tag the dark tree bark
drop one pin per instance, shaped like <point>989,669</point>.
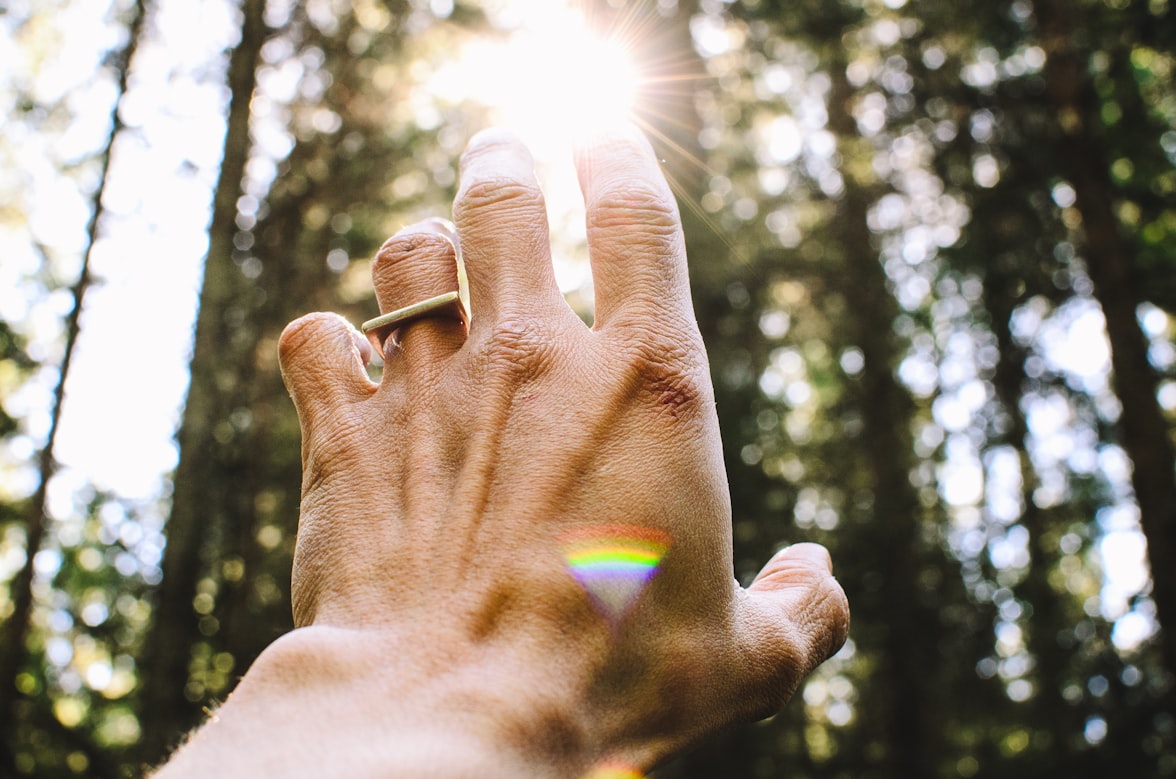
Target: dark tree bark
<point>908,640</point>
<point>1054,666</point>
<point>1145,434</point>
<point>198,500</point>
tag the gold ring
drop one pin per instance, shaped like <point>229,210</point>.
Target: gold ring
<point>378,329</point>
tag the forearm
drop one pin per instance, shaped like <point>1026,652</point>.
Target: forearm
<point>334,703</point>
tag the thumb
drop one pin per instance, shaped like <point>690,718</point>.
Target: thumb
<point>798,617</point>
<point>322,359</point>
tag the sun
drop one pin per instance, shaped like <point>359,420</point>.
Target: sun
<point>552,78</point>
<point>578,80</point>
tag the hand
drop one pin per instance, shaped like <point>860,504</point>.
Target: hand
<point>451,513</point>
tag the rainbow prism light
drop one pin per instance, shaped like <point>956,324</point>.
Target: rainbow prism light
<point>614,771</point>
<point>614,563</point>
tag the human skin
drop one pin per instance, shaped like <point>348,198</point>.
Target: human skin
<point>440,631</point>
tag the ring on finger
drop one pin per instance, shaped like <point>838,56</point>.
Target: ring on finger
<point>449,304</point>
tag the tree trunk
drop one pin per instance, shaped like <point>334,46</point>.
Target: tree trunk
<point>910,634</point>
<point>1144,430</point>
<point>1054,667</point>
<point>197,504</point>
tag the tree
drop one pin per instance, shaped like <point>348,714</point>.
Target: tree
<point>1144,430</point>
<point>18,671</point>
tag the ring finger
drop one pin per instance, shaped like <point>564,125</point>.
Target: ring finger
<point>416,283</point>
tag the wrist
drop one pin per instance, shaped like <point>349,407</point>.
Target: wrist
<point>336,702</point>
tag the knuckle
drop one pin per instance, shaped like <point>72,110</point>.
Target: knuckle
<point>519,346</point>
<point>500,195</point>
<point>666,373</point>
<point>407,248</point>
<point>637,206</point>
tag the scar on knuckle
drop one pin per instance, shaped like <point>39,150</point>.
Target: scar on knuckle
<point>667,374</point>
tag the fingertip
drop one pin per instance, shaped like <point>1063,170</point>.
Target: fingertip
<point>806,552</point>
<point>599,144</point>
<point>433,225</point>
<point>438,225</point>
<point>322,352</point>
<point>490,135</point>
<point>799,584</point>
<point>492,139</point>
<point>298,334</point>
<point>795,567</point>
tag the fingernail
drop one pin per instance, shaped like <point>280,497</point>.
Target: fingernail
<point>809,551</point>
<point>497,152</point>
<point>597,144</point>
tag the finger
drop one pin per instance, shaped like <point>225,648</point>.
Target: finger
<point>798,616</point>
<point>502,220</point>
<point>322,358</point>
<point>635,237</point>
<point>418,264</point>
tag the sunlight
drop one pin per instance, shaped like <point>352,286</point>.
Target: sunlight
<point>549,81</point>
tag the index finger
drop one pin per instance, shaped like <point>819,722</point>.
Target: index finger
<point>635,239</point>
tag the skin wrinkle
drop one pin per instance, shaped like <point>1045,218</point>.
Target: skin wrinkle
<point>521,200</point>
<point>404,249</point>
<point>769,675</point>
<point>507,197</point>
<point>644,218</point>
<point>476,473</point>
<point>659,246</point>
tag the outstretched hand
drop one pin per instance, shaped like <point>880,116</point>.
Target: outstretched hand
<point>514,550</point>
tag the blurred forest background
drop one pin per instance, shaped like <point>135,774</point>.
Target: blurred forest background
<point>933,247</point>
